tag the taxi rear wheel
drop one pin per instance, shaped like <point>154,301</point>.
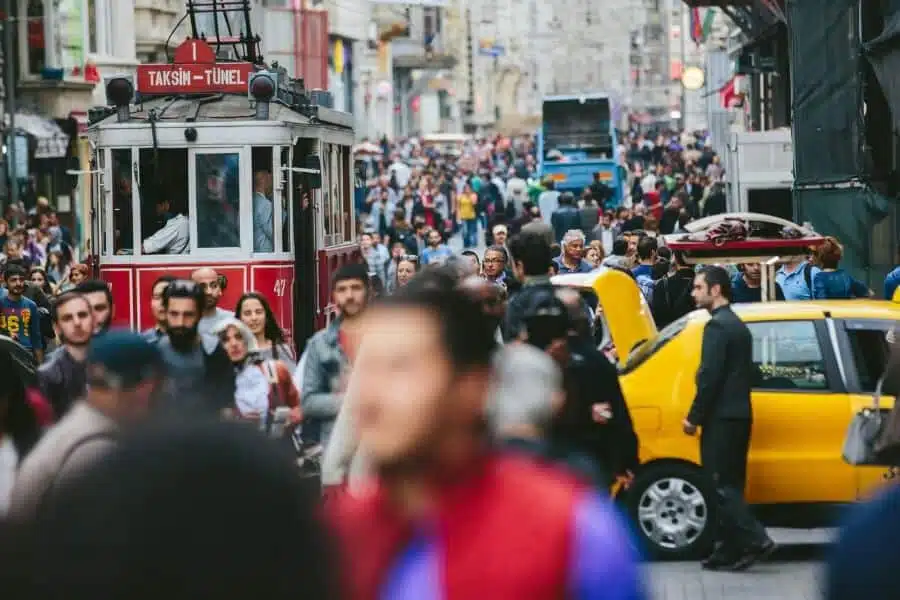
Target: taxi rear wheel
<point>673,508</point>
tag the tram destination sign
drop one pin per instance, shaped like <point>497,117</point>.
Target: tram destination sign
<point>224,78</point>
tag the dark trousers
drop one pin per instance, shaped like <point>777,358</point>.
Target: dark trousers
<point>723,452</point>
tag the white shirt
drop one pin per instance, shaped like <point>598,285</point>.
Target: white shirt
<point>207,325</point>
<point>648,182</point>
<point>173,238</point>
<point>401,172</point>
<point>8,464</point>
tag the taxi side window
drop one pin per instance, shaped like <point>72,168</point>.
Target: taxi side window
<point>788,356</point>
<point>870,353</point>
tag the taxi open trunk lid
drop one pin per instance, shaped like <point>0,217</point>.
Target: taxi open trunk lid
<point>624,307</point>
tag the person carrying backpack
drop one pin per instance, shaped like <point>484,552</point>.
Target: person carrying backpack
<point>671,297</point>
<point>796,279</point>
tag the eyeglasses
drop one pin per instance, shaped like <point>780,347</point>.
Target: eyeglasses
<point>410,258</point>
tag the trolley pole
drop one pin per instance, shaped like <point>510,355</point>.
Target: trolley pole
<point>9,84</point>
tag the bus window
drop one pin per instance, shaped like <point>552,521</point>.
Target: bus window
<point>122,180</point>
<point>218,197</point>
<point>263,205</point>
<point>163,188</point>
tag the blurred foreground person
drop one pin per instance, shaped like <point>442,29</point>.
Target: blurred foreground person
<point>449,518</point>
<point>527,395</point>
<point>124,372</point>
<point>864,561</point>
<point>20,425</point>
<point>196,510</point>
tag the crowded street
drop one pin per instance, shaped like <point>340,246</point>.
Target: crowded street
<point>352,325</point>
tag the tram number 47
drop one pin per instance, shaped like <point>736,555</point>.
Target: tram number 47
<point>280,287</point>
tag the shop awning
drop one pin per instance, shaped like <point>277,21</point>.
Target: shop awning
<point>52,141</point>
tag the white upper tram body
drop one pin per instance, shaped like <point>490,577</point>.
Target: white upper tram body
<point>253,171</point>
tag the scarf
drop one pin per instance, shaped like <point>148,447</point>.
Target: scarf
<point>252,390</point>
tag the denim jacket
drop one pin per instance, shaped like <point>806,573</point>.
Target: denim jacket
<point>838,285</point>
<point>320,398</point>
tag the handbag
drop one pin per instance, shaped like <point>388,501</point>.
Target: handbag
<point>864,433</point>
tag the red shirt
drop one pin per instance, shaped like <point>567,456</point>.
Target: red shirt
<point>507,506</point>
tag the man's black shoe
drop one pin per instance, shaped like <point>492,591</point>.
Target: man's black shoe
<point>753,555</point>
<point>719,561</point>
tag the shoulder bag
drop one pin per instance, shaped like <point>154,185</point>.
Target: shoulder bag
<point>864,433</point>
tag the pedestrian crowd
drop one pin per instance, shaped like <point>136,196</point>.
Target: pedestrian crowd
<point>462,428</point>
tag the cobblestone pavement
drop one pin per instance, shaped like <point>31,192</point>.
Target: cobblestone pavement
<point>793,573</point>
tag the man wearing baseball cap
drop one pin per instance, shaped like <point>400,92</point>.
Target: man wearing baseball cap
<point>124,374</point>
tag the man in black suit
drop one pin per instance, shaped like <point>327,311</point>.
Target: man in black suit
<point>722,408</point>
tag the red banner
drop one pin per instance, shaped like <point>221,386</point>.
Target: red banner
<point>313,47</point>
<point>195,72</point>
<point>224,78</point>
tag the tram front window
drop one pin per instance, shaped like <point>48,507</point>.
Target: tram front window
<point>165,228</point>
<point>218,200</point>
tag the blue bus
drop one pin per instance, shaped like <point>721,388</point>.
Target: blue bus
<point>578,139</point>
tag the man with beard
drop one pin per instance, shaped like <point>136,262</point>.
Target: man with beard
<point>124,374</point>
<point>99,296</point>
<point>447,512</point>
<point>212,315</point>
<point>200,381</point>
<point>722,407</point>
<point>330,352</point>
<point>63,377</point>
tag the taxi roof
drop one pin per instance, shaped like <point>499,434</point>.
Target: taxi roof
<point>762,311</point>
<point>838,309</point>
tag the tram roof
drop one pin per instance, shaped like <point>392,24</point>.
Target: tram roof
<point>226,107</point>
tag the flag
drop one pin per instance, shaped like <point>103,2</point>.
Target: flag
<point>708,18</point>
<point>696,26</point>
<point>728,95</point>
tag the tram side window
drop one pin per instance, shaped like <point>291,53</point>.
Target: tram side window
<point>263,200</point>
<point>218,200</point>
<point>334,192</point>
<point>346,167</point>
<point>327,212</point>
<point>123,242</point>
<point>164,226</point>
<point>286,204</point>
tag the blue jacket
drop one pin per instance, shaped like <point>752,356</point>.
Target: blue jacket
<point>320,397</point>
<point>891,282</point>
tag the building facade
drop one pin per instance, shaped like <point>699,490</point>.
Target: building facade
<point>63,51</point>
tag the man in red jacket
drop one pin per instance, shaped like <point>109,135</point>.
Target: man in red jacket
<point>448,517</point>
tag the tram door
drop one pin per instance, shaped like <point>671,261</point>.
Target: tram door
<point>304,238</point>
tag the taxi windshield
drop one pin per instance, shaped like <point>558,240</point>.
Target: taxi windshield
<point>648,348</point>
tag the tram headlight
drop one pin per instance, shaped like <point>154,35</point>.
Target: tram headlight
<point>119,91</point>
<point>262,87</point>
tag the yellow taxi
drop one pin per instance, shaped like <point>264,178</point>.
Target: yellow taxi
<point>818,365</point>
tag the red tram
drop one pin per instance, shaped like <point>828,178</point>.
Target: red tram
<point>228,164</point>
